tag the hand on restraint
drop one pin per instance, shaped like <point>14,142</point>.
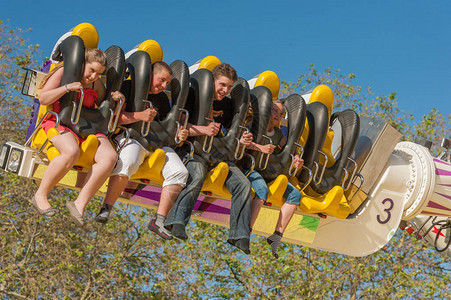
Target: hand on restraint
<point>116,96</point>
<point>267,149</point>
<point>147,115</point>
<point>74,86</point>
<point>212,129</point>
<point>182,134</point>
<point>298,162</point>
<point>246,138</point>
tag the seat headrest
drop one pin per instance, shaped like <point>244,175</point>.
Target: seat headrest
<point>271,81</point>
<point>88,34</point>
<point>209,62</point>
<point>153,48</point>
<point>322,93</point>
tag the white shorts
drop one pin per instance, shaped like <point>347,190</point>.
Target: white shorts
<point>133,155</point>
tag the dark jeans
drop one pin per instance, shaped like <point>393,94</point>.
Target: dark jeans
<point>238,185</point>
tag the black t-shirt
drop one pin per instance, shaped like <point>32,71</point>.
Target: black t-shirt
<point>159,101</point>
<point>224,110</point>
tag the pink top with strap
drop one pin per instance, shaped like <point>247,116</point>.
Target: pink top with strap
<point>89,101</point>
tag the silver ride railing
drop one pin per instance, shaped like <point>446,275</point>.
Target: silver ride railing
<point>208,140</point>
<point>239,150</point>
<point>115,115</point>
<point>293,171</point>
<point>145,127</point>
<point>38,126</point>
<point>76,108</point>
<point>265,156</point>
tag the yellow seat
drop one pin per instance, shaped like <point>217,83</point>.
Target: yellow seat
<point>332,203</point>
<point>276,190</point>
<point>87,149</point>
<point>151,168</point>
<point>215,181</point>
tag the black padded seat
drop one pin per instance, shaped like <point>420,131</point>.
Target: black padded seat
<point>91,121</point>
<point>279,163</point>
<point>318,124</point>
<point>224,147</point>
<point>350,128</point>
<point>162,132</point>
<point>201,95</point>
<point>261,104</point>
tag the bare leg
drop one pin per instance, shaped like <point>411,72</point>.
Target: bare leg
<point>104,161</point>
<point>168,197</point>
<point>68,147</point>
<point>257,204</point>
<point>116,185</point>
<point>286,213</point>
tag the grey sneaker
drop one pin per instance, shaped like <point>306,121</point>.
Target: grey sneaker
<point>159,229</point>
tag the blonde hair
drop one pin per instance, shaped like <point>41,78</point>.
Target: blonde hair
<point>91,55</point>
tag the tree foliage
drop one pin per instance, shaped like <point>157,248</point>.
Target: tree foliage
<point>51,258</point>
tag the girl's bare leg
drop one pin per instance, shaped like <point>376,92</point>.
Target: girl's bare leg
<point>104,161</point>
<point>67,145</point>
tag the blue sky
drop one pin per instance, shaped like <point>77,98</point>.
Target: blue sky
<point>402,46</point>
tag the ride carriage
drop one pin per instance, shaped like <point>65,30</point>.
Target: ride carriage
<point>358,182</point>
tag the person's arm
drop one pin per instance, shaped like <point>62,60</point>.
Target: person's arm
<point>211,130</point>
<point>146,115</point>
<point>51,91</point>
<point>267,149</point>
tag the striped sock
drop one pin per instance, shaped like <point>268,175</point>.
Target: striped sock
<point>274,242</point>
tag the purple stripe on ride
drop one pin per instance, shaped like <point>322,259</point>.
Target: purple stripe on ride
<point>435,205</point>
<point>443,195</point>
<point>219,206</point>
<point>441,161</point>
<point>442,172</point>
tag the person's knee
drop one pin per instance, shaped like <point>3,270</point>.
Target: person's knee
<point>197,173</point>
<point>71,154</point>
<point>294,198</point>
<point>242,186</point>
<point>108,158</point>
<point>179,177</point>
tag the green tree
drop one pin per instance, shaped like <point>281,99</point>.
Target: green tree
<point>51,258</point>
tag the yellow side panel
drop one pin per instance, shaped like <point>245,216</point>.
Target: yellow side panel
<point>151,168</point>
<point>276,190</point>
<point>215,181</point>
<point>301,228</point>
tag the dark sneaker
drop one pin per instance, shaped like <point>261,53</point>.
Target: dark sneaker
<point>104,214</point>
<point>160,230</point>
<point>178,230</point>
<point>242,244</point>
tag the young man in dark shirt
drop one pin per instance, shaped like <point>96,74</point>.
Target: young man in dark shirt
<point>133,154</point>
<point>240,212</point>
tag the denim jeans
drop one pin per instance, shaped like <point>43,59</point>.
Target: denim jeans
<point>291,194</point>
<point>236,182</point>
